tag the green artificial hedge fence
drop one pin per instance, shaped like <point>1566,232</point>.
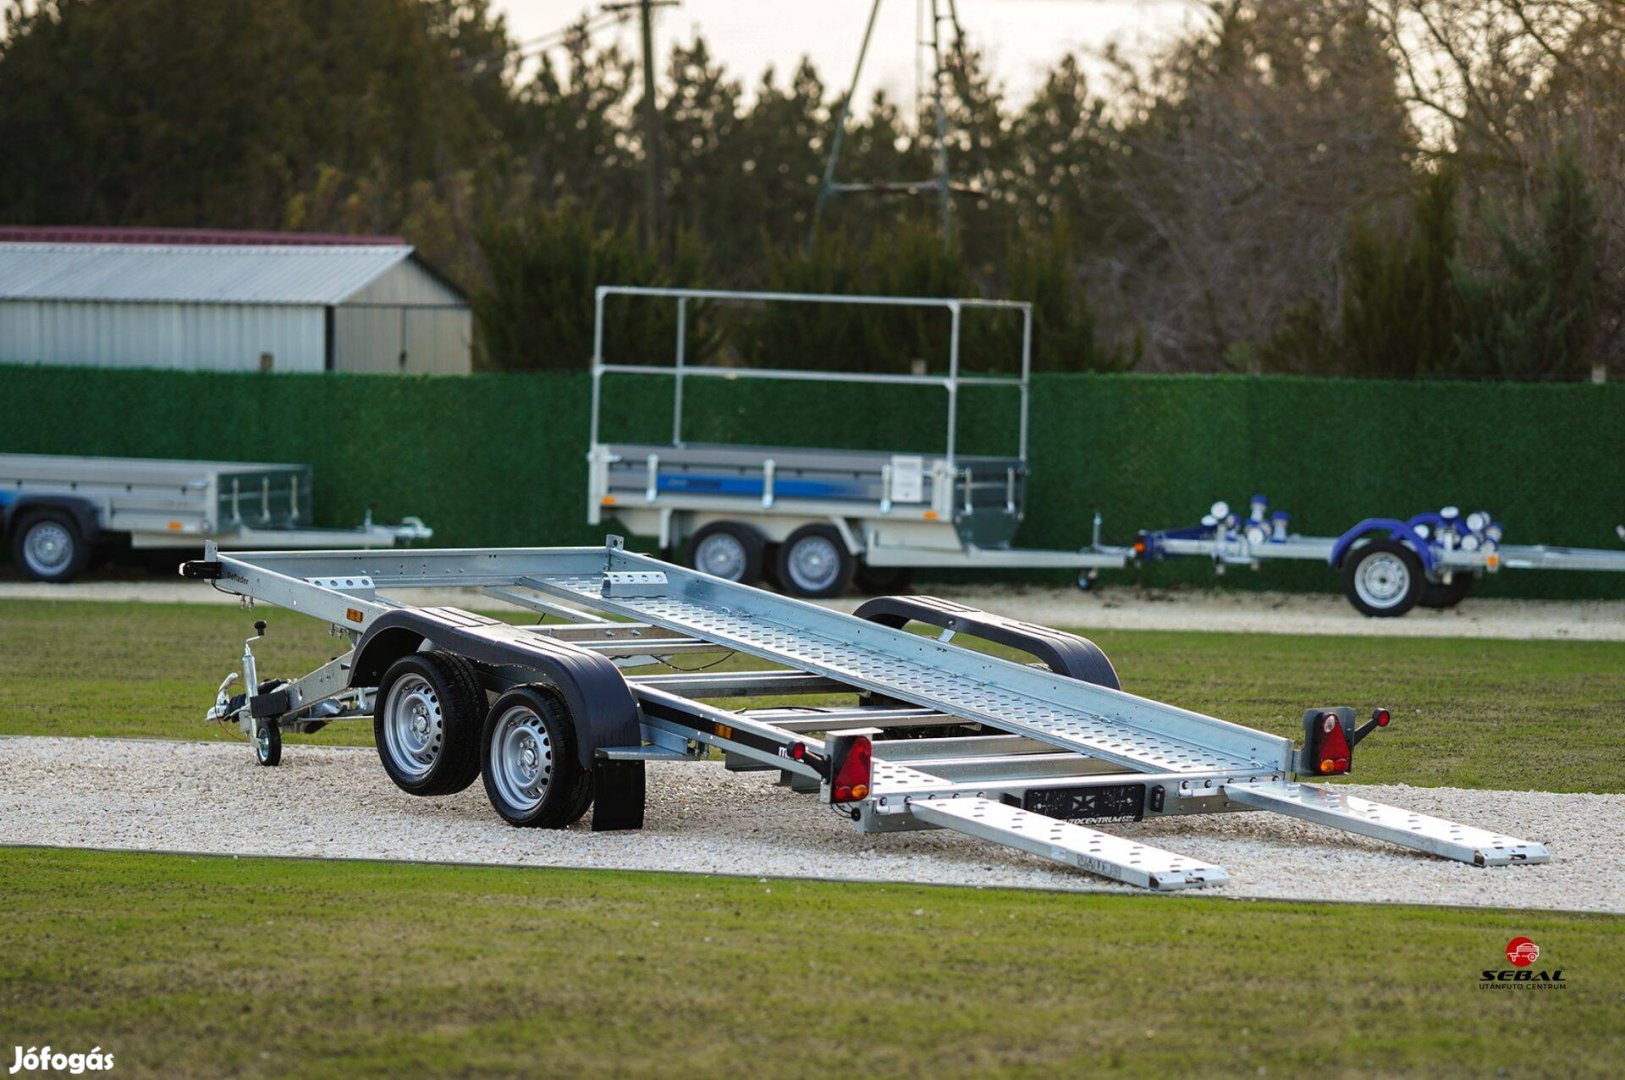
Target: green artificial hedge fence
<point>500,459</point>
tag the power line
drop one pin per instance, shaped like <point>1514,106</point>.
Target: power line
<point>587,25</point>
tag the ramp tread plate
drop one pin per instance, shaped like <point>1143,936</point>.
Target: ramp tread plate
<point>1096,735</point>
<point>1324,804</point>
<point>1074,845</point>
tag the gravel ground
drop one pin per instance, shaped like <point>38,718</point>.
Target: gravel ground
<point>1105,609</point>
<point>336,802</point>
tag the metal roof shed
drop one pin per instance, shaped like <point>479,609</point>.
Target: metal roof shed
<point>228,305</point>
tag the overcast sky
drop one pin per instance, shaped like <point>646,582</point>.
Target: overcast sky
<point>1022,38</point>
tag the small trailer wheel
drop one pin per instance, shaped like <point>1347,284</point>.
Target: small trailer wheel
<point>268,742</point>
<point>1383,578</point>
<point>46,546</point>
<point>1436,594</point>
<point>528,760</point>
<point>727,549</point>
<point>426,722</point>
<point>814,563</point>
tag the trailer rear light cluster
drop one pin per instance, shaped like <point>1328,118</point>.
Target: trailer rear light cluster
<point>852,777</point>
<point>1330,738</point>
<point>851,765</point>
<point>1332,748</point>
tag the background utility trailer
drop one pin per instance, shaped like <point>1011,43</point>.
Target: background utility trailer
<point>898,730</point>
<point>57,510</point>
<point>813,518</point>
<point>1388,566</point>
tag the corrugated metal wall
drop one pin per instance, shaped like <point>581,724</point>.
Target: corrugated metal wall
<point>407,312</point>
<point>217,336</point>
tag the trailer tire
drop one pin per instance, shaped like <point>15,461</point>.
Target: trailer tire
<point>730,550</point>
<point>46,545</point>
<point>814,563</point>
<point>1437,595</point>
<point>1383,579</point>
<point>528,760</point>
<point>426,721</point>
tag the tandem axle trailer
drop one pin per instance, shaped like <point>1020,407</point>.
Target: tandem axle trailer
<point>637,660</point>
<point>1389,565</point>
<point>816,519</point>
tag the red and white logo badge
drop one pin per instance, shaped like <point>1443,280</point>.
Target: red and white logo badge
<point>1521,952</point>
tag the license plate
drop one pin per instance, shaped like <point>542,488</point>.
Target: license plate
<point>1109,802</point>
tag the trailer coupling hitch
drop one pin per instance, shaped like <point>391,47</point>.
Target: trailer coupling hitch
<point>1330,736</point>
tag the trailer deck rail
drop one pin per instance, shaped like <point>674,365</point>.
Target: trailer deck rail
<point>899,729</point>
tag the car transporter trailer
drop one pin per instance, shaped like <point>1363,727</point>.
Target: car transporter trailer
<point>1388,566</point>
<point>927,733</point>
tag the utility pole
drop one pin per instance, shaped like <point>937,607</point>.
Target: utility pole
<point>653,167</point>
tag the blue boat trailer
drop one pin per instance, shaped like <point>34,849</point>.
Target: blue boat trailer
<point>1389,566</point>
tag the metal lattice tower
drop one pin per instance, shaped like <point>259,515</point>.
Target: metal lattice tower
<point>932,39</point>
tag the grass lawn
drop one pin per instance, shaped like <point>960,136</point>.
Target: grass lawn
<point>1489,714</point>
<point>207,966</point>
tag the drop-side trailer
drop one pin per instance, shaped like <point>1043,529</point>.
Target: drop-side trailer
<point>57,510</point>
<point>1388,565</point>
<point>899,730</point>
<point>815,519</point>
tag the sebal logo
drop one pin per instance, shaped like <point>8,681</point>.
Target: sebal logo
<point>1521,952</point>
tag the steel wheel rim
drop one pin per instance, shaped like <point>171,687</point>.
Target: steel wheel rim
<point>521,758</point>
<point>814,563</point>
<point>721,555</point>
<point>414,726</point>
<point>48,548</point>
<point>262,741</point>
<point>1382,580</point>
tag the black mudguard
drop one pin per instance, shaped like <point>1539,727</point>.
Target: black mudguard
<point>600,704</point>
<point>1061,652</point>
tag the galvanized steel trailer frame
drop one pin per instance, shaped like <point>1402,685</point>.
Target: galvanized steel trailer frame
<point>886,509</point>
<point>1031,757</point>
<point>57,507</point>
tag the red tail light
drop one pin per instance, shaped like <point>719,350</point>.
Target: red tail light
<point>852,773</point>
<point>1332,750</point>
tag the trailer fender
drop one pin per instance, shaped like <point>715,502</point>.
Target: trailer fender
<point>83,511</point>
<point>600,704</point>
<point>1063,653</point>
<point>1396,530</point>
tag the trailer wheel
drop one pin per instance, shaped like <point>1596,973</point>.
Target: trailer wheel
<point>46,546</point>
<point>1383,578</point>
<point>883,580</point>
<point>528,760</point>
<point>426,722</point>
<point>729,550</point>
<point>814,563</point>
<point>1439,595</point>
<point>268,742</point>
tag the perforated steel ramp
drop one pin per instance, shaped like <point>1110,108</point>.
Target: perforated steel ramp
<point>953,680</point>
<point>1326,805</point>
<point>1073,845</point>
